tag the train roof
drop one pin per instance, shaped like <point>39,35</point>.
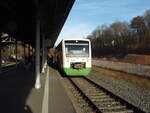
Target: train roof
<point>76,39</point>
<point>84,39</point>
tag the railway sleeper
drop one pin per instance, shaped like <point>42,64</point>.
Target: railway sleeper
<point>108,104</point>
<point>99,97</point>
<point>99,94</point>
<point>105,97</point>
<point>126,111</point>
<point>94,92</point>
<point>103,100</point>
<point>91,90</point>
<point>113,108</point>
<point>91,87</point>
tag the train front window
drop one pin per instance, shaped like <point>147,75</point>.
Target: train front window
<point>77,48</point>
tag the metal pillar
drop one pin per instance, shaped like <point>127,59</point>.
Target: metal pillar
<point>16,51</point>
<point>45,62</point>
<point>37,55</point>
<point>43,53</point>
<point>44,56</point>
<point>32,55</point>
<point>29,59</point>
<point>0,53</point>
<point>24,51</point>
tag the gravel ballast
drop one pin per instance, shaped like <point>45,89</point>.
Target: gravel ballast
<point>135,94</point>
<point>138,69</point>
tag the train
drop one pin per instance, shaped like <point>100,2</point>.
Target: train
<point>74,56</point>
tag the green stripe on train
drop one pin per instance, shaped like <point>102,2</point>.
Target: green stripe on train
<point>70,71</point>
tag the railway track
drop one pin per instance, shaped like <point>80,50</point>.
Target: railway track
<point>99,99</point>
<point>7,68</point>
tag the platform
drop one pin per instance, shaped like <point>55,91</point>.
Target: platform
<point>18,94</point>
<point>51,98</point>
<point>58,100</point>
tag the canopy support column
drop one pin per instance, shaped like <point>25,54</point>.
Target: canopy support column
<point>43,54</point>
<point>0,53</point>
<point>37,56</point>
<point>16,51</point>
<point>24,50</point>
<point>29,59</point>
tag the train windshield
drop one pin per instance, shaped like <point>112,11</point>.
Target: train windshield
<point>76,48</point>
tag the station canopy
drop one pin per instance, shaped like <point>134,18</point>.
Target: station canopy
<point>18,18</point>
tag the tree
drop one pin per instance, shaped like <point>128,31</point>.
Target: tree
<point>120,31</point>
<point>138,24</point>
<point>147,18</point>
<point>122,37</point>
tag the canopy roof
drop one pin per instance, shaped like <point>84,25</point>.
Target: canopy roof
<point>18,18</point>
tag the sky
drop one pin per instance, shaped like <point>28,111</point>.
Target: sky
<point>87,15</point>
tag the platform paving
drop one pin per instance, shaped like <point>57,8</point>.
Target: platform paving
<point>18,95</point>
<point>52,97</point>
<point>59,101</point>
<point>15,87</point>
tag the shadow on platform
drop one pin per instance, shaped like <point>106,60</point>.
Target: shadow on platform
<point>15,86</point>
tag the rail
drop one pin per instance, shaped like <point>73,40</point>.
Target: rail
<point>100,99</point>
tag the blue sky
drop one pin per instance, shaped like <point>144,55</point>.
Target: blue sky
<point>86,15</point>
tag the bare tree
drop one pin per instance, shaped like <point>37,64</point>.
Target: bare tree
<point>147,18</point>
<point>122,37</point>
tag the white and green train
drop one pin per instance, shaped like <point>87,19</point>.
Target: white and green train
<point>74,56</point>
